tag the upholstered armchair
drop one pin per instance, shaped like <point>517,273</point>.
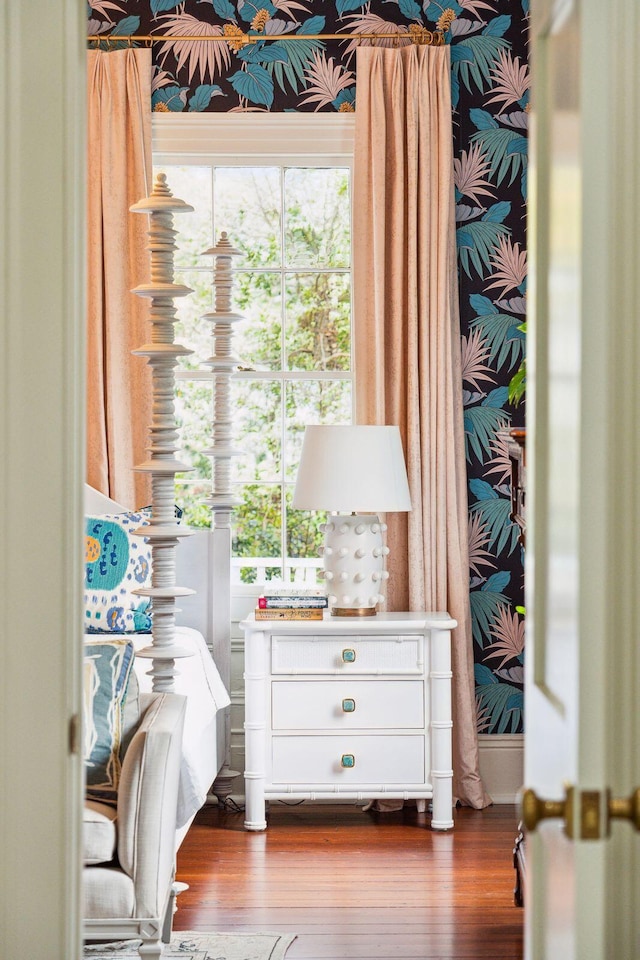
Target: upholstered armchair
<point>129,845</point>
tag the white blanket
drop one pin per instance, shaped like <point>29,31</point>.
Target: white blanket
<point>198,679</point>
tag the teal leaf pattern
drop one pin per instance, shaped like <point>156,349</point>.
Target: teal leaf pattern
<point>345,96</point>
<point>410,9</point>
<point>505,149</point>
<point>478,239</point>
<point>123,28</point>
<point>495,516</point>
<point>500,331</point>
<point>249,8</point>
<point>292,71</point>
<point>497,27</point>
<point>480,425</point>
<point>202,96</point>
<point>254,84</point>
<point>490,153</point>
<point>485,604</point>
<point>479,53</point>
<point>502,702</point>
<point>225,10</point>
<point>126,27</point>
<point>173,98</point>
<point>312,25</point>
<point>435,9</point>
<point>160,6</point>
<point>264,53</point>
<point>345,6</point>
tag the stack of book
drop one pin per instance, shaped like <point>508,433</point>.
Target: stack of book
<point>292,603</point>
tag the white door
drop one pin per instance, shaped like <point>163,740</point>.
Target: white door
<point>41,470</point>
<point>583,484</point>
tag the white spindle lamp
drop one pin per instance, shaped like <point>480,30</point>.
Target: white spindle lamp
<point>354,472</point>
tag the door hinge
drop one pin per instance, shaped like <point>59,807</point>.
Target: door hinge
<point>74,735</point>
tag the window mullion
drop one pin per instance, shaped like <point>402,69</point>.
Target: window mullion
<point>284,386</point>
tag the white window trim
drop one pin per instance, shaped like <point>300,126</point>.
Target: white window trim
<point>254,139</point>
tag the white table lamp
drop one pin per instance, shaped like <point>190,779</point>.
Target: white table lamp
<point>353,472</point>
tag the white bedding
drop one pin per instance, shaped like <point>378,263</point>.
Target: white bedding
<point>198,679</point>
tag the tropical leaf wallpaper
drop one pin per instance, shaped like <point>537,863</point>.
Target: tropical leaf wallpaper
<point>490,87</point>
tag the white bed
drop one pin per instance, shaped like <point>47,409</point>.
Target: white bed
<point>197,676</point>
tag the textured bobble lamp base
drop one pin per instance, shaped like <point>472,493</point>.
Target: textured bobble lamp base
<point>354,571</point>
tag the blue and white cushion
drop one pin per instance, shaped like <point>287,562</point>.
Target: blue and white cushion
<point>116,563</point>
<point>107,668</point>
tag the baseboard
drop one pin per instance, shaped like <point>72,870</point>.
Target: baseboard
<point>501,765</point>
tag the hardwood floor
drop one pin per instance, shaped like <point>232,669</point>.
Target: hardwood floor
<point>357,886</point>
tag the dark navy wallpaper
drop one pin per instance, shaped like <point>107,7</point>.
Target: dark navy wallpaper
<point>490,86</point>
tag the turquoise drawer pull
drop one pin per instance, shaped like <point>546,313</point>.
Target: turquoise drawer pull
<point>348,705</point>
<point>348,760</point>
<point>348,656</point>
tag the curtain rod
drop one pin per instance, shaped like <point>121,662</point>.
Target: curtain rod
<point>419,35</point>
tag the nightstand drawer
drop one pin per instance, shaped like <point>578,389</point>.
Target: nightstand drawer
<point>348,654</point>
<point>347,704</point>
<point>347,760</point>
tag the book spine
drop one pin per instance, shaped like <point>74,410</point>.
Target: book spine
<point>292,603</point>
<point>293,591</point>
<point>294,596</point>
<point>300,614</point>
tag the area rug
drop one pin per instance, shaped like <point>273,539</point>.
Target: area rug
<point>188,945</point>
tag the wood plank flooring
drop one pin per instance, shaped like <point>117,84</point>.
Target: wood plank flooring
<point>357,886</point>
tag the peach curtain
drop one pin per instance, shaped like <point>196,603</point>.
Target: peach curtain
<point>118,175</point>
<point>407,344</point>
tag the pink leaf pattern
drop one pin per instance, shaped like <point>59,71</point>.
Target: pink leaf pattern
<point>203,59</point>
<point>508,630</point>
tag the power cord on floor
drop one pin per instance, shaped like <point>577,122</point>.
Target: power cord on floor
<point>230,805</point>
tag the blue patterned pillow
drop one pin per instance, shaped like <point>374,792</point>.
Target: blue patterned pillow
<point>116,563</point>
<point>107,668</point>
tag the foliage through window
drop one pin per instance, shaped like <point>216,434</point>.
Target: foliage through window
<point>293,287</point>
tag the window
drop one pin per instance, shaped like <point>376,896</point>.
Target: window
<point>290,218</point>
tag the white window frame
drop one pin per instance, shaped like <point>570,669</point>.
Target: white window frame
<point>257,139</point>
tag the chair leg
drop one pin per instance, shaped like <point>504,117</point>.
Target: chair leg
<point>176,888</point>
<point>150,950</point>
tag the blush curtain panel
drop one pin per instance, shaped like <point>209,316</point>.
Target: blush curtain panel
<point>118,174</point>
<point>407,344</point>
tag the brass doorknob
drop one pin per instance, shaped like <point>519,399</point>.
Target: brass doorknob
<point>534,809</point>
<point>595,811</point>
<point>625,808</point>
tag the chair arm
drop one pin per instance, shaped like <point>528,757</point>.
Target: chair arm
<point>148,800</point>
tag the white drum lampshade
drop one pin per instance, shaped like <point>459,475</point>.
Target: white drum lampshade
<point>354,472</point>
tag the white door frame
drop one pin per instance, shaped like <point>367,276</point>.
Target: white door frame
<point>42,213</point>
<point>598,920</point>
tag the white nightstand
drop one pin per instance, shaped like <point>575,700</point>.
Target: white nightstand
<point>349,708</point>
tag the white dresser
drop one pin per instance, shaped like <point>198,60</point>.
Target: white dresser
<point>349,708</point>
